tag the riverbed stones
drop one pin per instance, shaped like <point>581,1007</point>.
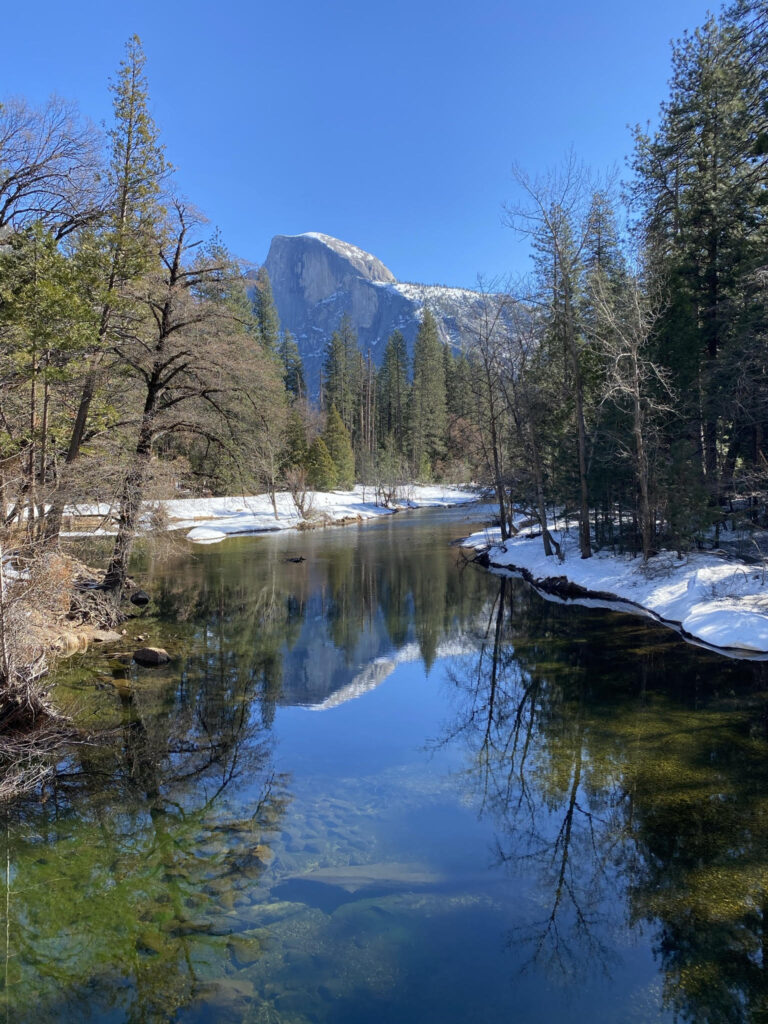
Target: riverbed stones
<point>245,950</point>
<point>150,657</point>
<point>105,636</point>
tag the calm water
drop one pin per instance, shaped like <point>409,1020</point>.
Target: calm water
<point>375,787</point>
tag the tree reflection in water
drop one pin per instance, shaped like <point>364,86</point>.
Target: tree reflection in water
<point>625,774</point>
<point>150,847</point>
<point>625,769</point>
<point>122,886</point>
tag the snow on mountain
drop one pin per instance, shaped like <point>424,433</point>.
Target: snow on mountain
<point>316,279</point>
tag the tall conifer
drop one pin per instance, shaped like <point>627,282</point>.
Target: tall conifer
<point>339,445</point>
<point>427,411</point>
<point>393,391</point>
<point>342,374</point>
<point>265,311</point>
<point>127,243</point>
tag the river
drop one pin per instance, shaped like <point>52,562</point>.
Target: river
<point>376,785</point>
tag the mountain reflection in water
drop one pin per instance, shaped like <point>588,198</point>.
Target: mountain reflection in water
<point>507,808</point>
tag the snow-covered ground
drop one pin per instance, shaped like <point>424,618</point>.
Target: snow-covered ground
<point>222,517</point>
<point>719,602</point>
<point>210,520</point>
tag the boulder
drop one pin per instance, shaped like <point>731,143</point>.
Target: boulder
<point>151,656</point>
<point>140,598</point>
<point>105,636</point>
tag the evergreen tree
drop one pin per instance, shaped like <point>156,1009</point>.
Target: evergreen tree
<point>366,433</point>
<point>296,438</point>
<point>125,246</point>
<point>225,284</point>
<point>265,311</point>
<point>458,387</point>
<point>602,244</point>
<point>321,471</point>
<point>342,374</point>
<point>427,409</point>
<point>605,284</point>
<point>558,224</point>
<point>339,445</point>
<point>293,367</point>
<point>700,188</point>
<point>45,328</point>
<point>393,391</point>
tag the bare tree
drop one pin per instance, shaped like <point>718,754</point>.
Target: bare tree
<point>488,344</point>
<point>625,321</point>
<point>555,214</point>
<point>177,349</point>
<point>527,391</point>
<point>50,159</point>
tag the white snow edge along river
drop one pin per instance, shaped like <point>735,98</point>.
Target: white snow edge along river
<point>719,602</point>
<point>210,520</point>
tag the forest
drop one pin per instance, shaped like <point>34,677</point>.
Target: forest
<point>623,381</point>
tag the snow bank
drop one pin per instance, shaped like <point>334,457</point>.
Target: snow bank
<point>210,520</point>
<point>213,519</point>
<point>719,602</point>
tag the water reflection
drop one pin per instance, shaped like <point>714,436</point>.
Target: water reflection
<point>132,890</point>
<point>306,630</point>
<point>217,853</point>
<point>619,769</point>
<point>121,883</point>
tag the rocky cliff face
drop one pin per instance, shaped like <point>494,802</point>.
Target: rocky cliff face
<point>316,279</point>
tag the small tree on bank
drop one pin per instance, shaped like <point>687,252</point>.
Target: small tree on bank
<point>321,471</point>
<point>339,446</point>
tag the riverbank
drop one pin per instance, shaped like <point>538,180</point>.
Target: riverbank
<point>45,619</point>
<point>707,597</point>
<point>211,520</point>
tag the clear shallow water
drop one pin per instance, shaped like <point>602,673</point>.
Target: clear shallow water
<point>374,786</point>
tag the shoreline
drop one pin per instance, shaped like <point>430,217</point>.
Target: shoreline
<point>711,601</point>
<point>220,518</point>
<point>212,520</point>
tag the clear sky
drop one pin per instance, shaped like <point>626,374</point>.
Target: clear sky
<point>392,125</point>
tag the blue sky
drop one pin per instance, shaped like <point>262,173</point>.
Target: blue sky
<point>393,126</point>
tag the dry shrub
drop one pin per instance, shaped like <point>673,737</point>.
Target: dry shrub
<point>34,606</point>
<point>49,584</point>
<point>298,484</point>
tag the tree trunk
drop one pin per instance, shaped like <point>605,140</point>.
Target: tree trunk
<point>131,499</point>
<point>585,544</point>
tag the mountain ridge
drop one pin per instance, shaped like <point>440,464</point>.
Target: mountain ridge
<point>317,278</point>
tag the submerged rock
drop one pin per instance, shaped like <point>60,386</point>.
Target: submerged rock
<point>151,656</point>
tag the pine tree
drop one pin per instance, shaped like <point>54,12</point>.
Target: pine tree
<point>126,245</point>
<point>393,391</point>
<point>427,409</point>
<point>342,374</point>
<point>293,367</point>
<point>46,326</point>
<point>700,188</point>
<point>458,387</point>
<point>339,445</point>
<point>296,437</point>
<point>557,222</point>
<point>321,471</point>
<point>265,311</point>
